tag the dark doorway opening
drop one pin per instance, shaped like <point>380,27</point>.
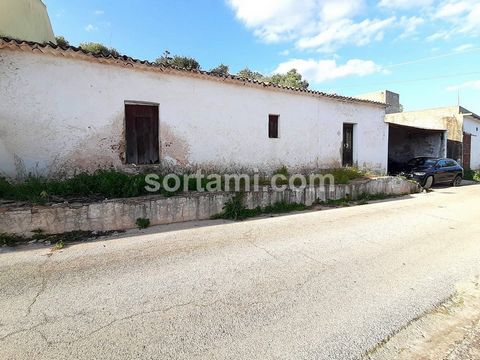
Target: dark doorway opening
<point>467,150</point>
<point>273,126</point>
<point>347,156</point>
<point>141,132</point>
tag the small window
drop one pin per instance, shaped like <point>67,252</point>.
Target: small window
<point>273,126</point>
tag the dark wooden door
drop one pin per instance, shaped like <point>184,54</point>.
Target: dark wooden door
<point>141,132</point>
<point>467,150</point>
<point>347,157</point>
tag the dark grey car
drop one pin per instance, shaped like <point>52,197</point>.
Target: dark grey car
<point>428,171</point>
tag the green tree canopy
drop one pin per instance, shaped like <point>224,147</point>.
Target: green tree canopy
<point>97,48</point>
<point>61,41</point>
<point>292,78</point>
<point>183,62</point>
<point>249,74</point>
<point>221,69</point>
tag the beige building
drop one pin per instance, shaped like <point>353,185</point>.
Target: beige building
<point>25,20</point>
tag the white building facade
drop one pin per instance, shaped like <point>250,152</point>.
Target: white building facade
<point>471,139</point>
<point>63,111</point>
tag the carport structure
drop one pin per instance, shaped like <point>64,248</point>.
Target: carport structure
<point>451,131</point>
<point>432,132</point>
<point>407,142</point>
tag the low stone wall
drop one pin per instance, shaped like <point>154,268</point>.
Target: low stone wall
<point>117,214</point>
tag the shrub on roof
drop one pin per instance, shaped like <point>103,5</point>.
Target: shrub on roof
<point>97,49</point>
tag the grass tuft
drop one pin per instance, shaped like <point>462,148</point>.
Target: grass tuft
<point>142,223</point>
<point>235,209</point>
<point>472,175</point>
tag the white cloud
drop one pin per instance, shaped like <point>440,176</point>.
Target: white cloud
<point>340,9</point>
<point>346,31</point>
<point>324,70</point>
<point>328,25</point>
<point>273,20</point>
<point>98,12</point>
<point>91,27</point>
<point>410,25</point>
<point>464,47</point>
<point>405,4</point>
<point>323,24</point>
<point>460,17</point>
<point>452,8</point>
<point>474,85</point>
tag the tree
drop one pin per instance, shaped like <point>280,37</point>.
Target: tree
<point>290,79</point>
<point>97,48</point>
<point>183,62</point>
<point>249,74</point>
<point>221,70</point>
<point>61,41</point>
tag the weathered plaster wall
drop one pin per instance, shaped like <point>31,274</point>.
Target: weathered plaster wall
<point>406,143</point>
<point>25,20</point>
<point>448,118</point>
<point>121,214</point>
<point>64,115</point>
<point>385,96</point>
<point>471,126</point>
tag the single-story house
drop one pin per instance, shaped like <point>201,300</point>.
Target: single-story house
<point>63,111</point>
<point>442,132</point>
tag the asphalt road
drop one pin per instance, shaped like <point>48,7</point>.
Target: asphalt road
<point>317,285</point>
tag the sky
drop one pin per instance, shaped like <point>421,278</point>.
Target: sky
<point>428,51</point>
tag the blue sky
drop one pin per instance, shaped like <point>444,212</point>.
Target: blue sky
<point>426,50</point>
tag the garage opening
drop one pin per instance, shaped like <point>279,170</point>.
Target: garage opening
<point>405,143</point>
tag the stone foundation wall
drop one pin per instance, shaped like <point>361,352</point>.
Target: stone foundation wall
<point>117,214</point>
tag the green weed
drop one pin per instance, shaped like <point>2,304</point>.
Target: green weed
<point>235,209</point>
<point>142,223</point>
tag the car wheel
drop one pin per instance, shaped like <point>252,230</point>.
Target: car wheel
<point>457,181</point>
<point>428,182</point>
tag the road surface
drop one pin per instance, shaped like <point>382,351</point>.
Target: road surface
<point>316,285</point>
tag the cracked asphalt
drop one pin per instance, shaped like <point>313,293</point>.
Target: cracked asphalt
<point>315,285</point>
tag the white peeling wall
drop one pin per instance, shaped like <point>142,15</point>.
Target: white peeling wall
<point>63,115</point>
<point>472,126</point>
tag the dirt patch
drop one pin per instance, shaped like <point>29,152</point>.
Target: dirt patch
<point>450,332</point>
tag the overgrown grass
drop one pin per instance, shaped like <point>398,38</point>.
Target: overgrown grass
<point>473,175</point>
<point>59,241</point>
<point>11,239</point>
<point>336,202</point>
<point>102,183</point>
<point>362,199</point>
<point>142,223</point>
<point>235,209</point>
<point>114,184</point>
<point>345,175</point>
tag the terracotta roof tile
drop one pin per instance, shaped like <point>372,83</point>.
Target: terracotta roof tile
<point>72,51</point>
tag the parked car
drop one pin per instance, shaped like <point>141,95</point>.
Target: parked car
<point>428,171</point>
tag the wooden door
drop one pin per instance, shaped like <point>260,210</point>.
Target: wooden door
<point>467,150</point>
<point>347,156</point>
<point>141,132</point>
